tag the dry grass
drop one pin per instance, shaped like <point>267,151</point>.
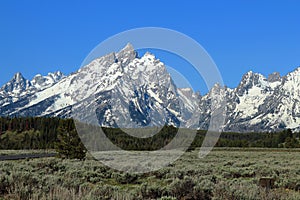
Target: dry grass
<point>223,174</point>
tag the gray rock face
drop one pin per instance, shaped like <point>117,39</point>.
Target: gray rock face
<point>124,90</point>
<point>274,77</point>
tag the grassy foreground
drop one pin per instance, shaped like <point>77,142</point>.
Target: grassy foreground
<point>224,174</point>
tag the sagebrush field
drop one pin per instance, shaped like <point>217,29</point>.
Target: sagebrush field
<point>231,173</point>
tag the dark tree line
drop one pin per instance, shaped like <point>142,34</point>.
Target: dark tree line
<point>50,133</point>
<point>128,142</point>
<point>28,133</point>
<point>41,133</point>
<point>285,138</point>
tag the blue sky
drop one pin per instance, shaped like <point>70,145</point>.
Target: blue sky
<point>45,36</point>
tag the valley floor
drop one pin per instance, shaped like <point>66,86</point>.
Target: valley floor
<point>226,173</point>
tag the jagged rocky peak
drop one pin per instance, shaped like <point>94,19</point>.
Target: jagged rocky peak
<point>18,77</point>
<point>127,48</point>
<point>17,84</point>
<point>37,79</point>
<point>274,77</point>
<point>249,80</point>
<point>56,75</point>
<point>253,78</point>
<point>216,91</point>
<point>217,86</point>
<point>40,81</point>
<point>146,70</point>
<point>149,54</point>
<point>150,59</point>
<point>293,76</point>
<point>111,60</point>
<point>127,54</point>
<point>186,91</point>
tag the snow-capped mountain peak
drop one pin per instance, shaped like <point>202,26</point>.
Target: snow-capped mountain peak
<point>42,82</point>
<point>19,88</point>
<point>251,80</point>
<point>18,77</point>
<point>126,55</point>
<point>16,86</point>
<point>127,90</point>
<point>293,76</point>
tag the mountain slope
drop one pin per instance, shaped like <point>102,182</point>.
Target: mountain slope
<point>124,90</point>
<point>262,104</point>
<point>19,89</point>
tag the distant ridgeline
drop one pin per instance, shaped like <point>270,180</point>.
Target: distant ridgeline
<point>50,133</point>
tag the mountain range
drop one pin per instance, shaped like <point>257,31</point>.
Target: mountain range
<point>126,90</point>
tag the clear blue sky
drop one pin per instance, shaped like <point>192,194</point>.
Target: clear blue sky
<point>45,36</point>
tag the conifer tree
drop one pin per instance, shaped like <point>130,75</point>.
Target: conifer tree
<point>69,144</point>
